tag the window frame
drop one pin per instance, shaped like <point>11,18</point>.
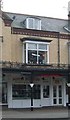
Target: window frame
<point>46,91</point>
<point>33,24</point>
<point>25,91</point>
<point>25,60</point>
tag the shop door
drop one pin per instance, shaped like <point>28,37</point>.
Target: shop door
<point>57,95</point>
<point>4,93</point>
<point>46,95</point>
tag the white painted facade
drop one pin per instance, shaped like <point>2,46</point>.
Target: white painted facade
<point>50,101</point>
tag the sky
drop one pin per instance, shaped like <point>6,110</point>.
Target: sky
<point>48,8</point>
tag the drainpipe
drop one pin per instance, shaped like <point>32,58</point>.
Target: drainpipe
<point>58,49</point>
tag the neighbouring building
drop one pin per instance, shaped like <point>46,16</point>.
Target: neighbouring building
<point>69,53</point>
<point>34,51</point>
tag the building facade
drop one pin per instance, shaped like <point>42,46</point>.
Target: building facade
<point>34,60</point>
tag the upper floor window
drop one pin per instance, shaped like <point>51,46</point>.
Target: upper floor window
<point>33,23</point>
<point>35,52</point>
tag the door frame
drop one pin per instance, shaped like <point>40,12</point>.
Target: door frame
<point>57,98</point>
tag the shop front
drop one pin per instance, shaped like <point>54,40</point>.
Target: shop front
<point>48,90</point>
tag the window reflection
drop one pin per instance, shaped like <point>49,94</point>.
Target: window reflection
<point>22,91</point>
<point>32,56</point>
<point>42,57</point>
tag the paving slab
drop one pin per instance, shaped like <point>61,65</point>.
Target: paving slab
<point>48,112</point>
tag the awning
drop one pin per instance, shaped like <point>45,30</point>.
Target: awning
<point>50,75</point>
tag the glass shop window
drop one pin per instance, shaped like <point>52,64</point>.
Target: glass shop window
<point>36,92</point>
<point>46,91</point>
<point>21,91</point>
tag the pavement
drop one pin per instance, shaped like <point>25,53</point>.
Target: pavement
<point>37,113</point>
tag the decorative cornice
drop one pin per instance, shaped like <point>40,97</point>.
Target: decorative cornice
<point>34,32</point>
<point>39,33</point>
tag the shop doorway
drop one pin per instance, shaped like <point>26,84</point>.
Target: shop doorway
<point>57,95</point>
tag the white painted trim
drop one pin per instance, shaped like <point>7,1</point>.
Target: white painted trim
<point>41,102</point>
<point>35,42</point>
<point>28,41</point>
<point>3,103</point>
<point>48,54</point>
<point>27,53</point>
<point>64,92</point>
<point>23,53</point>
<point>33,22</point>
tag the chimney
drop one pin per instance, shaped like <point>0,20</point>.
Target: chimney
<point>69,15</point>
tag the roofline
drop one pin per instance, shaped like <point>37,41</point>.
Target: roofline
<point>35,15</point>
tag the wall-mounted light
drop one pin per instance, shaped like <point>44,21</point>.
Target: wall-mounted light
<point>31,85</point>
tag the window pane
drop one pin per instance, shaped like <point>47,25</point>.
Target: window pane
<point>60,101</point>
<point>34,23</point>
<point>30,23</point>
<point>36,92</point>
<point>42,57</point>
<point>21,91</point>
<point>46,91</point>
<point>32,46</point>
<point>43,46</point>
<point>54,91</point>
<point>54,101</point>
<point>60,91</point>
<point>24,46</point>
<point>32,56</point>
<point>37,24</point>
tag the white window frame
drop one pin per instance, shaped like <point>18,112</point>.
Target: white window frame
<point>27,23</point>
<point>35,42</point>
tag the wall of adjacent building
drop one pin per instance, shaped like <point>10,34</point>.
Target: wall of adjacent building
<point>0,36</point>
<point>6,45</point>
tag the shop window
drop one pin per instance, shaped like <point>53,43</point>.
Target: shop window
<point>36,92</point>
<point>54,101</point>
<point>46,91</point>
<point>20,91</point>
<point>36,53</point>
